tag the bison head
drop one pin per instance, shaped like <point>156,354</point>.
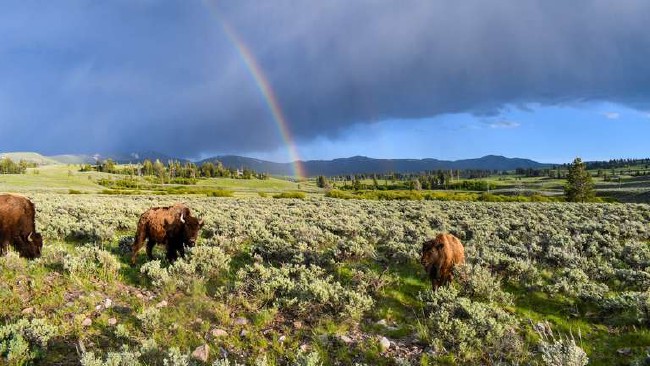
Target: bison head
<point>31,245</point>
<point>430,255</point>
<point>191,228</point>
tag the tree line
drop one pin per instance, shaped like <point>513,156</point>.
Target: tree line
<point>174,170</point>
<point>8,166</point>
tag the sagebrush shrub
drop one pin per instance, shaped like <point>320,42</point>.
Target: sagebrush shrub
<point>23,341</point>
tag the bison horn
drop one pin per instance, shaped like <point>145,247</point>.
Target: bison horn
<point>182,220</point>
<point>29,237</point>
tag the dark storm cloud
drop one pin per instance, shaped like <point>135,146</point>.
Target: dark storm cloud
<point>86,76</point>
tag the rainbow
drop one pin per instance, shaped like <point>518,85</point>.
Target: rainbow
<point>264,87</point>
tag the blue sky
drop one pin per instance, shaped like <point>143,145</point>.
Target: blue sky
<point>448,80</point>
<point>552,134</point>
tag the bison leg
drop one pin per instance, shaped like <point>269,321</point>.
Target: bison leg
<point>181,251</point>
<point>150,245</point>
<point>3,247</point>
<point>140,236</point>
<point>171,255</point>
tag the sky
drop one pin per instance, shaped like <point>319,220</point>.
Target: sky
<point>285,79</point>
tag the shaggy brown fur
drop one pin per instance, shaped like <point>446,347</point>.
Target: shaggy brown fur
<point>164,225</point>
<point>439,256</point>
<point>17,226</point>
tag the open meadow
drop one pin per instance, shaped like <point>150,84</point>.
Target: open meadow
<point>328,281</point>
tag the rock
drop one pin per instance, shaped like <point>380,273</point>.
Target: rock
<point>624,351</point>
<point>198,321</point>
<point>87,322</point>
<point>139,295</point>
<point>382,322</point>
<point>384,344</point>
<point>297,324</point>
<point>201,353</point>
<point>161,304</point>
<point>216,333</point>
<point>112,321</point>
<point>323,338</point>
<point>281,339</point>
<point>108,303</point>
<point>305,347</point>
<point>243,333</point>
<point>346,339</point>
<point>241,321</point>
<point>27,311</point>
<point>98,307</point>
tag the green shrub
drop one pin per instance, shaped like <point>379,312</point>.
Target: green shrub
<point>25,340</point>
<point>298,195</point>
<point>335,193</point>
<point>471,330</point>
<point>302,291</point>
<point>75,191</point>
<point>220,193</point>
<point>201,263</point>
<point>91,262</point>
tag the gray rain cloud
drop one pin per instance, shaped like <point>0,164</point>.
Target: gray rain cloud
<point>106,76</point>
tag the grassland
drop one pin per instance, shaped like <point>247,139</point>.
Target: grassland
<point>319,281</point>
<point>65,178</point>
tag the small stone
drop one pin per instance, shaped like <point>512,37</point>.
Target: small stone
<point>305,347</point>
<point>384,344</point>
<point>241,321</point>
<point>198,321</point>
<point>216,333</point>
<point>624,351</point>
<point>201,353</point>
<point>161,304</point>
<point>382,322</point>
<point>243,333</point>
<point>108,303</point>
<point>69,304</point>
<point>346,339</point>
<point>27,311</point>
<point>281,339</point>
<point>323,338</point>
<point>98,307</point>
<point>223,352</point>
<point>139,295</point>
<point>297,324</point>
<point>112,321</point>
<point>87,322</point>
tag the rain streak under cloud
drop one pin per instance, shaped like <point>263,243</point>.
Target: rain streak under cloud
<point>86,76</point>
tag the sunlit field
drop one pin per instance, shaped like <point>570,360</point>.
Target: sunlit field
<point>328,281</point>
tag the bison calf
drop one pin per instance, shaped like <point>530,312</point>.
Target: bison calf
<point>172,226</point>
<point>439,256</point>
<point>17,226</point>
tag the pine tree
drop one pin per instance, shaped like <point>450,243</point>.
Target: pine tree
<point>580,187</point>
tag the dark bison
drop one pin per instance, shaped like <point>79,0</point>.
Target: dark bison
<point>439,256</point>
<point>17,226</point>
<point>172,226</point>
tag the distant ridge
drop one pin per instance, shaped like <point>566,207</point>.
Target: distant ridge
<point>30,157</point>
<point>341,166</point>
<point>366,165</point>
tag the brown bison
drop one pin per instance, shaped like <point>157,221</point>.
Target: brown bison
<point>172,226</point>
<point>17,226</point>
<point>439,256</point>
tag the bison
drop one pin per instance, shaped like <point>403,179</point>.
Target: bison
<point>172,226</point>
<point>17,226</point>
<point>439,256</point>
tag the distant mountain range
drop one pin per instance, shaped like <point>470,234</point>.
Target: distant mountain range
<point>365,165</point>
<point>343,166</point>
